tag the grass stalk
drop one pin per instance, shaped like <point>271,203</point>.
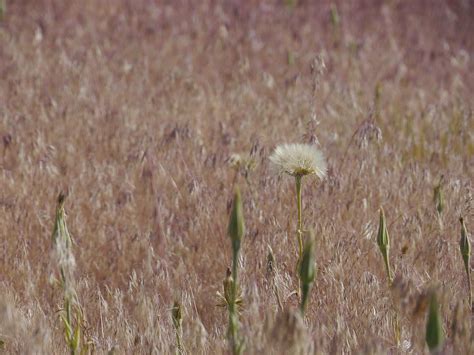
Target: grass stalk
<point>236,231</point>
<point>465,248</point>
<point>299,229</point>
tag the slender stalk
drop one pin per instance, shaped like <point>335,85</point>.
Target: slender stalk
<point>236,232</point>
<point>179,346</point>
<point>468,274</point>
<point>388,269</point>
<point>299,230</point>
<point>304,296</point>
<point>233,322</point>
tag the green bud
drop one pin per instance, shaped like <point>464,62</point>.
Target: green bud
<point>438,198</point>
<point>465,244</point>
<point>3,8</point>
<point>270,260</point>
<point>465,248</point>
<point>434,326</point>
<point>307,268</point>
<point>228,287</point>
<point>383,241</point>
<point>335,19</point>
<point>176,315</point>
<point>236,228</point>
<point>307,271</point>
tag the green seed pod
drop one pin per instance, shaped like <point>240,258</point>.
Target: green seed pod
<point>383,239</point>
<point>465,244</point>
<point>307,271</point>
<point>176,315</point>
<point>438,198</point>
<point>236,228</point>
<point>228,287</point>
<point>465,248</point>
<point>3,10</point>
<point>307,268</point>
<point>270,261</point>
<point>434,327</point>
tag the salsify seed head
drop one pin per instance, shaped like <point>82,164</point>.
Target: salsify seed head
<point>299,160</point>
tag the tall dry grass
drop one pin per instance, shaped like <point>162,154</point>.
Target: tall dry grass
<point>135,107</point>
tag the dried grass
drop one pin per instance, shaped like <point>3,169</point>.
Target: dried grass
<point>135,109</point>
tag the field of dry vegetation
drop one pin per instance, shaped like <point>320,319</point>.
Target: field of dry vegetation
<point>134,109</point>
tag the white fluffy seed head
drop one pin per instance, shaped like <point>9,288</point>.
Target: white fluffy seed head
<point>299,160</point>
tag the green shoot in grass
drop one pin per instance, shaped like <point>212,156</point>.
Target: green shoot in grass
<point>71,313</point>
<point>438,197</point>
<point>307,271</point>
<point>177,318</point>
<point>465,248</point>
<point>236,231</point>
<point>383,241</point>
<point>434,327</point>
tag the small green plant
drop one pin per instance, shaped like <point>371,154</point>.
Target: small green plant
<point>438,196</point>
<point>232,298</point>
<point>434,327</point>
<point>465,248</point>
<point>299,160</point>
<point>71,313</point>
<point>383,241</point>
<point>177,318</point>
<point>3,8</point>
<point>335,19</point>
<point>291,4</point>
<point>307,272</point>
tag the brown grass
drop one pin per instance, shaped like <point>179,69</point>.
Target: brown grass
<point>135,107</point>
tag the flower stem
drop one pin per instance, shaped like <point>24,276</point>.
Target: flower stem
<point>233,316</point>
<point>468,274</point>
<point>299,230</point>
<point>387,268</point>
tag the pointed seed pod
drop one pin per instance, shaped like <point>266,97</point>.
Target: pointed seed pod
<point>434,327</point>
<point>307,271</point>
<point>270,261</point>
<point>465,245</point>
<point>228,286</point>
<point>383,241</point>
<point>465,248</point>
<point>438,198</point>
<point>176,315</point>
<point>307,268</point>
<point>236,227</point>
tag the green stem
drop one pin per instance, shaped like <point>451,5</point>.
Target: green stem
<point>468,275</point>
<point>387,267</point>
<point>233,321</point>
<point>179,349</point>
<point>299,230</point>
<point>304,296</point>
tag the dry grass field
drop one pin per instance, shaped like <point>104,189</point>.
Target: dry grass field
<point>134,108</point>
